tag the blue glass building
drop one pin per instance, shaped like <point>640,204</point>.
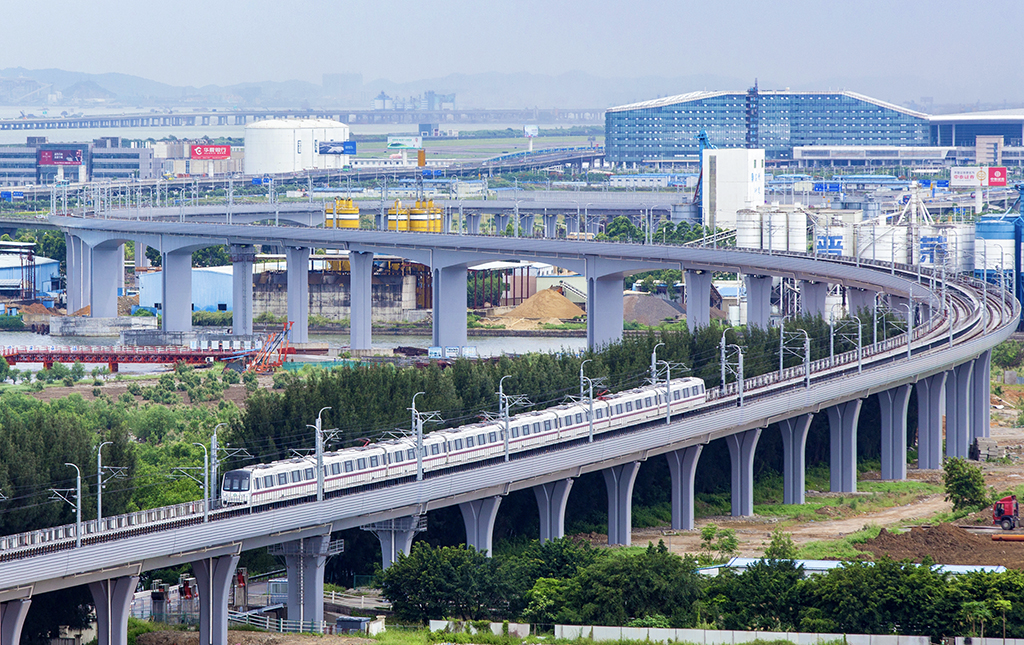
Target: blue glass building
<point>666,129</point>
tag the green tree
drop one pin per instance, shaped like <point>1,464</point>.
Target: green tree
<point>1007,354</point>
<point>440,581</point>
<point>964,484</point>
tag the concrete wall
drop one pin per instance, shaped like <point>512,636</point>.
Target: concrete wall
<point>521,630</point>
<point>86,326</point>
<point>394,297</point>
<point>728,637</point>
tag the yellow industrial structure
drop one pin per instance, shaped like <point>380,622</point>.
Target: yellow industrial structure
<point>346,214</point>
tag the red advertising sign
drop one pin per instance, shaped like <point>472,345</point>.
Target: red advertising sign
<point>996,176</point>
<point>211,152</point>
<point>60,157</point>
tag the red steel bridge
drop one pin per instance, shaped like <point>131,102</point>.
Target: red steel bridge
<point>114,355</point>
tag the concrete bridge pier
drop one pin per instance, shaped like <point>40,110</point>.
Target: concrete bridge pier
<point>473,223</point>
<point>305,560</point>
<point>698,299</point>
<point>449,300</point>
<point>79,268</point>
<point>981,385</point>
<point>604,306</point>
<point>551,500</point>
<point>550,226</point>
<point>107,265</point>
<point>572,225</point>
<point>812,297</point>
<point>682,465</point>
<point>297,259</point>
<point>929,421</point>
<point>859,300</point>
<point>893,405</point>
<point>618,481</point>
<point>12,619</point>
<point>242,258</point>
<point>759,300</point>
<point>361,300</point>
<point>213,578</point>
<point>177,290</point>
<point>501,222</point>
<point>741,452</point>
<point>395,537</point>
<point>478,516</point>
<point>842,421</point>
<point>526,224</point>
<point>141,261</point>
<point>958,414</point>
<point>113,601</point>
<point>794,457</point>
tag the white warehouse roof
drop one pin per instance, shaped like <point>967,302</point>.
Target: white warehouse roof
<point>291,124</point>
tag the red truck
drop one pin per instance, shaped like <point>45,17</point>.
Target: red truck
<point>1005,513</point>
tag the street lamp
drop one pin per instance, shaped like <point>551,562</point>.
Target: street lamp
<point>589,360</point>
<point>654,362</point>
<point>78,504</point>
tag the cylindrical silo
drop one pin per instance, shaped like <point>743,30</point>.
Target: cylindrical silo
<point>797,234</point>
<point>748,229</point>
<point>833,239</point>
<point>994,245</point>
<point>882,242</point>
<point>774,231</point>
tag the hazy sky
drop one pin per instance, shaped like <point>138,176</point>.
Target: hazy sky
<point>942,48</point>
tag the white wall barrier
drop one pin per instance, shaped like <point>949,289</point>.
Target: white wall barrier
<point>728,637</point>
<point>521,630</point>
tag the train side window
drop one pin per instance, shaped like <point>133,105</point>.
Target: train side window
<point>374,461</point>
<point>282,479</point>
<point>361,463</point>
<point>675,395</point>
<point>397,456</point>
<point>568,420</point>
<point>514,431</point>
<point>469,442</point>
<point>458,444</point>
<point>492,437</point>
<point>434,449</point>
<point>411,454</point>
<point>296,476</point>
<point>348,466</point>
<point>335,468</point>
<point>309,474</point>
<point>599,413</point>
<point>629,406</point>
<point>481,439</point>
<point>536,426</point>
<point>618,408</point>
<point>579,418</point>
<point>639,404</point>
<point>268,481</point>
<point>647,402</point>
<point>547,424</point>
<point>257,482</point>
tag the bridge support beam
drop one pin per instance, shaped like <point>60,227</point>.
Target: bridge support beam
<point>759,300</point>
<point>682,464</point>
<point>929,421</point>
<point>842,422</point>
<point>79,268</point>
<point>526,224</point>
<point>550,226</point>
<point>113,601</point>
<point>298,292</point>
<point>981,403</point>
<point>958,414</point>
<point>305,560</point>
<point>794,457</point>
<point>501,223</point>
<point>213,578</point>
<point>812,297</point>
<point>449,305</point>
<point>12,618</point>
<point>473,223</point>
<point>361,300</point>
<point>859,300</point>
<point>242,258</point>
<point>698,299</point>
<point>107,264</point>
<point>893,405</point>
<point>741,452</point>
<point>396,539</point>
<point>177,287</point>
<point>619,482</point>
<point>141,261</point>
<point>604,309</point>
<point>551,500</point>
<point>572,225</point>
<point>478,516</point>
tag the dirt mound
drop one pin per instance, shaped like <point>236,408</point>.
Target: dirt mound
<point>649,310</point>
<point>249,638</point>
<point>36,308</point>
<point>84,311</point>
<point>546,304</point>
<point>124,304</point>
<point>946,544</point>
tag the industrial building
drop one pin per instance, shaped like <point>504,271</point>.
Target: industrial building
<point>292,145</point>
<point>40,162</point>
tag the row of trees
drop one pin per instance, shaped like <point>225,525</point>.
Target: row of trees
<point>566,582</point>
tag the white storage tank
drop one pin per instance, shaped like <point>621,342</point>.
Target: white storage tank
<point>748,229</point>
<point>994,245</point>
<point>931,246</point>
<point>291,145</point>
<point>774,231</point>
<point>797,231</point>
<point>882,242</point>
<point>961,246</point>
<point>833,239</point>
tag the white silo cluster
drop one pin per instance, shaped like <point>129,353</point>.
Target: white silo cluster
<point>292,145</point>
<point>775,228</point>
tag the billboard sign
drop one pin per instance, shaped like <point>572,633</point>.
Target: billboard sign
<point>531,131</point>
<point>207,152</point>
<point>405,143</point>
<point>968,176</point>
<point>60,157</point>
<point>338,148</point>
<point>997,176</point>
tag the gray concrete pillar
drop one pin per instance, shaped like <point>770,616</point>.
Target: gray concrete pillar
<point>893,405</point>
<point>759,300</point>
<point>604,309</point>
<point>501,222</point>
<point>113,601</point>
<point>473,223</point>
<point>794,457</point>
<point>12,618</point>
<point>742,446</point>
<point>449,306</point>
<point>298,292</point>
<point>842,422</point>
<point>550,226</point>
<point>120,271</point>
<point>981,396</point>
<point>176,278</point>
<point>242,258</point>
<point>394,542</point>
<point>79,269</point>
<point>698,299</point>
<point>572,225</point>
<point>929,421</point>
<point>812,297</point>
<point>305,560</point>
<point>682,465</point>
<point>107,264</point>
<point>478,517</point>
<point>859,300</point>
<point>618,481</point>
<point>361,300</point>
<point>526,224</point>
<point>551,500</point>
<point>958,414</point>
<point>141,261</point>
<point>213,578</point>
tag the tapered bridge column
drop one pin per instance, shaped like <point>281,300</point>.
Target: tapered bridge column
<point>242,258</point>
<point>742,446</point>
<point>298,292</point>
<point>305,560</point>
<point>842,422</point>
<point>619,482</point>
<point>929,421</point>
<point>177,291</point>
<point>698,299</point>
<point>213,578</point>
<point>478,516</point>
<point>450,306</point>
<point>812,297</point>
<point>361,300</point>
<point>396,536</point>
<point>794,448</point>
<point>759,300</point>
<point>682,465</point>
<point>981,407</point>
<point>107,264</point>
<point>958,414</point>
<point>893,405</point>
<point>12,619</point>
<point>113,601</point>
<point>551,500</point>
<point>604,307</point>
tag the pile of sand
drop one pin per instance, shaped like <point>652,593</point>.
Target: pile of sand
<point>649,310</point>
<point>946,544</point>
<point>546,304</point>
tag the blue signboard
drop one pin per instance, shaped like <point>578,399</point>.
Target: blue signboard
<point>827,187</point>
<point>925,183</point>
<point>337,147</point>
<point>5,195</point>
<point>942,183</point>
<point>256,181</point>
<point>18,194</point>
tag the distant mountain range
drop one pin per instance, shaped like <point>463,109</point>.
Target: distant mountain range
<point>572,90</point>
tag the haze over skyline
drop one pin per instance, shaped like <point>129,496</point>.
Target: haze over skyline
<point>951,51</point>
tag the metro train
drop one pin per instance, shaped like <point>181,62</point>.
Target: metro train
<point>261,484</point>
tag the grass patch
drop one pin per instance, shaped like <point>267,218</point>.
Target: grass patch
<point>563,326</point>
<point>842,549</point>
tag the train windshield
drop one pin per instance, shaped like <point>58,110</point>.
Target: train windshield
<point>236,480</point>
